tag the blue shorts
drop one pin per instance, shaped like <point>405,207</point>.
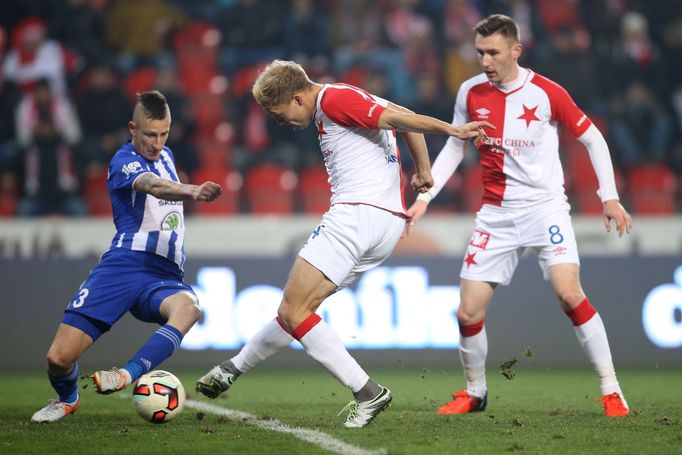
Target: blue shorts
<point>123,281</point>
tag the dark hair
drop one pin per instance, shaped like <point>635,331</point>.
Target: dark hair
<point>154,105</point>
<point>498,23</point>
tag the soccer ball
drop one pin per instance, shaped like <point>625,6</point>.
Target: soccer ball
<point>158,396</point>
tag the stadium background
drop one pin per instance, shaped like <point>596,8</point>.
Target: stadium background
<point>619,59</point>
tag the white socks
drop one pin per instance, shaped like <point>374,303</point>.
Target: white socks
<point>473,351</point>
<point>324,345</point>
<point>592,337</point>
<point>266,342</point>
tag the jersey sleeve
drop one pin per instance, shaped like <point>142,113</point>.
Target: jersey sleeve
<point>124,169</point>
<point>353,108</point>
<point>564,109</point>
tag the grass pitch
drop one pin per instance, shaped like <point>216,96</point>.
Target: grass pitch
<point>539,411</point>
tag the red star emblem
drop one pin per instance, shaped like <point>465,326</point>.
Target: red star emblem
<point>528,115</point>
<point>470,259</point>
<point>320,129</point>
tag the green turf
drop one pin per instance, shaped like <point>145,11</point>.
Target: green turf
<point>539,411</point>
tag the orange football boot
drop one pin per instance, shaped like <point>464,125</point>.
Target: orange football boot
<point>463,403</point>
<point>615,405</point>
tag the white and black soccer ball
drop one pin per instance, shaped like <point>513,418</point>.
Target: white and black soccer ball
<point>158,396</point>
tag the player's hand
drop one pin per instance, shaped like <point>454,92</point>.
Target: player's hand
<point>472,130</point>
<point>416,211</point>
<point>613,210</point>
<point>207,192</point>
<point>421,182</point>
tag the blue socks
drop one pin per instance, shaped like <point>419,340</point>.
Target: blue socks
<point>66,386</point>
<point>158,348</point>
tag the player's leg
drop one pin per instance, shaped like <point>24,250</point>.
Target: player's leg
<point>490,259</point>
<point>473,347</point>
<point>269,340</point>
<point>68,346</point>
<point>590,332</point>
<point>305,291</point>
<point>177,311</point>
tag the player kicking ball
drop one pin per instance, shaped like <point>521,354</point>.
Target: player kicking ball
<point>141,272</point>
<point>359,231</point>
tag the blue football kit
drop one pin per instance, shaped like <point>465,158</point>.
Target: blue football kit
<point>144,263</point>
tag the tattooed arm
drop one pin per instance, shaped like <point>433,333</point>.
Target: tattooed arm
<point>173,191</point>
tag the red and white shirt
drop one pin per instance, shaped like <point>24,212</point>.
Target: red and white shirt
<point>520,158</point>
<point>363,162</point>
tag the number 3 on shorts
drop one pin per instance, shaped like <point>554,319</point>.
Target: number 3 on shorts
<point>78,302</point>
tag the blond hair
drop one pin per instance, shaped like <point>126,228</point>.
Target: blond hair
<point>278,82</point>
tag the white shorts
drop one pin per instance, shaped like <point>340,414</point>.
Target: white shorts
<point>350,239</point>
<point>501,235</point>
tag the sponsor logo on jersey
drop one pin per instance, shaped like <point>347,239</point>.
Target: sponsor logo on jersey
<point>479,239</point>
<point>482,113</point>
<point>507,142</point>
<point>131,168</point>
<point>171,222</point>
<point>512,147</point>
<point>371,110</point>
<point>391,159</point>
<point>558,251</point>
<point>163,202</point>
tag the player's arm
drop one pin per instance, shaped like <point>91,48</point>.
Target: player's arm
<point>174,191</point>
<point>392,119</point>
<point>416,144</point>
<point>600,158</point>
<point>445,164</point>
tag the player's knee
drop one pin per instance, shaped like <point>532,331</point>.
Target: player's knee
<point>192,312</point>
<point>285,314</point>
<point>58,362</point>
<point>467,316</point>
<point>570,299</point>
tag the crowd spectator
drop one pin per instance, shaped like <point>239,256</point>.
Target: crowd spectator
<point>641,129</point>
<point>138,30</point>
<point>253,31</point>
<point>620,59</point>
<point>33,57</point>
<point>47,132</point>
<point>104,112</point>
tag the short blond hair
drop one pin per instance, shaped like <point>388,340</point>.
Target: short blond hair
<point>278,82</point>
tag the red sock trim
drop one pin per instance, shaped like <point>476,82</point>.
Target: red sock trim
<point>469,330</point>
<point>305,326</point>
<point>281,324</point>
<point>582,313</point>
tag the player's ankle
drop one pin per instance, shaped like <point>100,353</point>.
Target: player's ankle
<point>127,377</point>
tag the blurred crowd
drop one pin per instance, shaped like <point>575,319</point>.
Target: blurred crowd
<point>70,70</point>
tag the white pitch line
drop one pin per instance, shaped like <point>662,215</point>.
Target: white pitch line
<point>315,437</point>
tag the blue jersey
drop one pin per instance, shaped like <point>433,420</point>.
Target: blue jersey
<point>143,222</point>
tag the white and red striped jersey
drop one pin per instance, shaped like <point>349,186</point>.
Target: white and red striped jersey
<point>363,162</point>
<point>520,158</point>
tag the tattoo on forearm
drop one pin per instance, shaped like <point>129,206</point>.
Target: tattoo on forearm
<point>160,188</point>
